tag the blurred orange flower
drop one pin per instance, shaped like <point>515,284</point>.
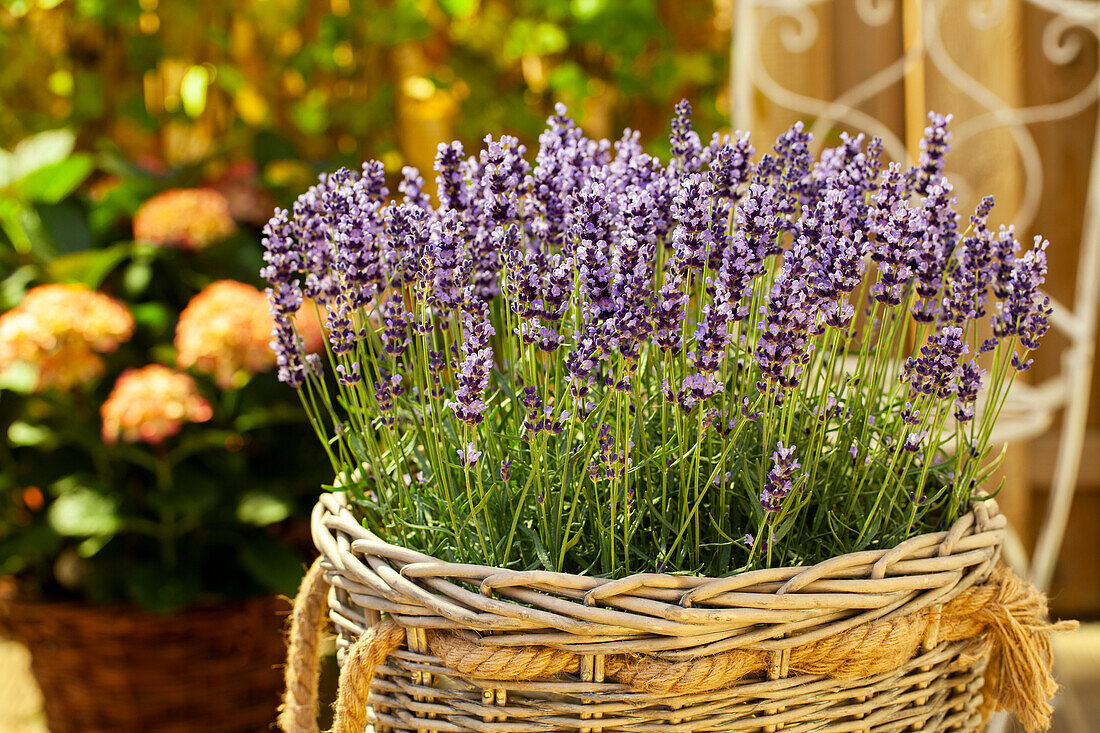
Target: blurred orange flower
<point>225,331</point>
<point>59,330</point>
<point>151,404</point>
<point>191,218</point>
<point>308,321</point>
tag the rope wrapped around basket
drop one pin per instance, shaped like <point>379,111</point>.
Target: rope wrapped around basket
<point>1011,611</point>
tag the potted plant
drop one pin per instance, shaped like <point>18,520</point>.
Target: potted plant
<point>146,486</point>
<point>696,445</point>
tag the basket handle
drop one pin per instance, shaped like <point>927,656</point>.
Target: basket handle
<point>298,713</point>
<point>302,674</point>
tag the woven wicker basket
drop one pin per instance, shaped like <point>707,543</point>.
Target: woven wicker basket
<point>883,640</point>
<point>118,668</point>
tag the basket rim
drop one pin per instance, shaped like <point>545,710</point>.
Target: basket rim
<point>680,615</point>
<point>333,512</point>
<point>20,610</point>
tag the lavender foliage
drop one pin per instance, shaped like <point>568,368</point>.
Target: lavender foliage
<point>603,362</point>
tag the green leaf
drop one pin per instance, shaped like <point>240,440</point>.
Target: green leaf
<point>154,316</point>
<point>270,563</point>
<point>193,90</point>
<point>137,277</point>
<point>261,509</point>
<point>311,113</point>
<point>90,266</point>
<point>14,286</point>
<point>25,434</point>
<point>39,151</point>
<point>25,229</point>
<point>67,225</point>
<point>55,182</point>
<point>82,512</point>
<point>91,546</point>
<point>19,377</point>
<point>459,8</point>
<point>540,549</point>
<point>7,168</point>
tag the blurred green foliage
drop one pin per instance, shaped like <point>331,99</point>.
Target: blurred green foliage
<point>218,511</point>
<point>183,81</point>
<point>104,103</point>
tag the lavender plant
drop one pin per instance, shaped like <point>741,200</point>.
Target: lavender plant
<point>605,363</point>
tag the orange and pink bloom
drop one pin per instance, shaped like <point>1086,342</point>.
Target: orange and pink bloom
<point>151,404</point>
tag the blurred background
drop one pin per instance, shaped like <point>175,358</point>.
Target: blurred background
<point>121,119</point>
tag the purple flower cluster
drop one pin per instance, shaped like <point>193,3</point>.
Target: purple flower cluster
<point>781,478</point>
<point>472,377</point>
<point>1024,311</point>
<point>933,372</point>
<point>552,313</point>
<point>933,149</point>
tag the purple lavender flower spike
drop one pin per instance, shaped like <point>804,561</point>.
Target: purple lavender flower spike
<point>384,393</point>
<point>692,237</point>
<point>557,288</point>
<point>469,455</point>
<point>696,389</point>
<point>557,176</point>
<point>395,321</point>
<point>730,165</point>
<point>935,244</point>
<point>632,275</point>
<point>793,305</point>
<point>781,478</point>
<point>970,272</point>
<point>933,148</point>
<point>342,334</point>
<point>1025,310</point>
<point>914,441</point>
<point>284,264</point>
<point>451,178</point>
<point>412,188</point>
<point>968,382</point>
<point>289,358</point>
<point>788,170</point>
<point>405,244</point>
<point>1005,250</point>
<point>349,376</point>
<point>686,147</point>
<point>582,364</point>
<point>503,179</point>
<point>839,268</point>
<point>933,372</point>
<point>592,231</point>
<point>310,227</point>
<point>893,225</point>
<point>445,262</point>
<point>473,375</point>
<point>374,180</point>
<point>667,315</point>
<point>759,221</point>
<point>281,253</point>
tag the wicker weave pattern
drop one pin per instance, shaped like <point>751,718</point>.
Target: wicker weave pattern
<point>675,617</point>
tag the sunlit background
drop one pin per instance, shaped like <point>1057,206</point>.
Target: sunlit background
<point>253,99</point>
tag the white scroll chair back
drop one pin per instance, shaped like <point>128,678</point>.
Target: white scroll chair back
<point>768,32</point>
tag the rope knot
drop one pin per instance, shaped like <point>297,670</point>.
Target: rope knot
<point>1005,617</point>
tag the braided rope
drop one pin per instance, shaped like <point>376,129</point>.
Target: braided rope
<point>302,674</point>
<point>1007,609</point>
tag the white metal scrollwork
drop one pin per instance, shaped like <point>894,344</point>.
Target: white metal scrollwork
<point>918,27</point>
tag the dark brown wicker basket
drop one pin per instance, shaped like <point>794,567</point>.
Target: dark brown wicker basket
<point>117,668</point>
